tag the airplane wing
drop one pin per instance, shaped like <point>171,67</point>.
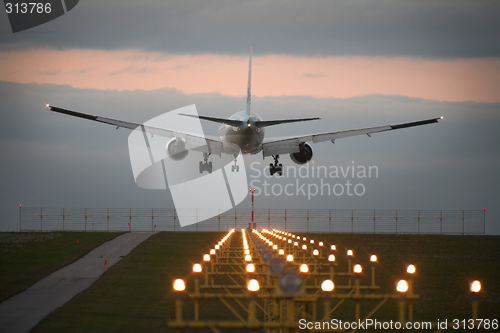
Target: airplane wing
<point>288,145</point>
<point>207,144</point>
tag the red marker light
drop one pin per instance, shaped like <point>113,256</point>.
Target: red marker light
<point>105,262</point>
<point>77,241</point>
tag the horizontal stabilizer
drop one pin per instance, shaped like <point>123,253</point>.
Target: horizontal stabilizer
<point>225,121</point>
<point>265,123</point>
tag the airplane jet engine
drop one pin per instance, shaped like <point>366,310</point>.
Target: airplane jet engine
<point>176,149</point>
<point>304,155</point>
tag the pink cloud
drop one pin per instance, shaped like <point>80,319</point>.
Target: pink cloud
<point>273,75</point>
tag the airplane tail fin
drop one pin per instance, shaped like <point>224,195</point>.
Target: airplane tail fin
<point>249,93</point>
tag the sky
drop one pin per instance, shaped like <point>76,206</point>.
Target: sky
<point>353,63</point>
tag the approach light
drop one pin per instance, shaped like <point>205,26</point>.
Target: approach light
<point>196,268</point>
<point>349,253</point>
<point>304,268</point>
<point>281,252</point>
<point>247,251</point>
<point>179,285</point>
<point>248,258</point>
<point>295,243</point>
<point>312,241</point>
<point>475,286</point>
<point>411,269</point>
<point>253,285</point>
<point>289,241</point>
<point>304,239</point>
<point>315,252</point>
<point>331,258</point>
<point>277,266</point>
<point>250,268</point>
<point>402,286</point>
<point>275,247</point>
<point>212,251</point>
<point>320,244</point>
<point>289,258</point>
<point>373,258</point>
<point>304,247</point>
<point>206,257</point>
<point>327,285</point>
<point>217,246</point>
<point>333,248</point>
<point>358,269</point>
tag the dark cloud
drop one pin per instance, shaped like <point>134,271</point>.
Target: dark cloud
<point>55,160</point>
<point>433,29</point>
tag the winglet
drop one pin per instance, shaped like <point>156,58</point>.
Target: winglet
<point>249,93</point>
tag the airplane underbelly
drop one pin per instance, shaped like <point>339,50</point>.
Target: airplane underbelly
<point>249,141</point>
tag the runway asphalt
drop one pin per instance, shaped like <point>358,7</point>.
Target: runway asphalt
<point>23,311</point>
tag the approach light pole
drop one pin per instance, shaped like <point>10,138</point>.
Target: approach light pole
<point>252,190</point>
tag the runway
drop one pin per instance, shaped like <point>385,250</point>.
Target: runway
<point>22,312</point>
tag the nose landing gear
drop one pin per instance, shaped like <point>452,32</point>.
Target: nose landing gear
<point>276,168</point>
<point>235,167</point>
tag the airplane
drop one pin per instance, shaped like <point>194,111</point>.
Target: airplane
<point>244,132</point>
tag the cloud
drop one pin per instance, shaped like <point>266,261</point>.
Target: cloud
<point>430,29</point>
<point>311,75</point>
<point>79,163</point>
<point>50,72</point>
<point>273,75</point>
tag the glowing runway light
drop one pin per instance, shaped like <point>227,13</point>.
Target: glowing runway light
<point>411,269</point>
<point>327,285</point>
<point>475,286</point>
<point>304,268</point>
<point>402,286</point>
<point>373,258</point>
<point>253,285</point>
<point>250,268</point>
<point>196,268</point>
<point>179,285</point>
<point>358,269</point>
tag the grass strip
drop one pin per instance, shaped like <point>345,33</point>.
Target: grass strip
<point>26,258</point>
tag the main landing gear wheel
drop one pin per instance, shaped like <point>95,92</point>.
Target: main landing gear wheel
<point>205,165</point>
<point>276,167</point>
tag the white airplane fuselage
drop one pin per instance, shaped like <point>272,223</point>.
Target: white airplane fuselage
<point>246,138</point>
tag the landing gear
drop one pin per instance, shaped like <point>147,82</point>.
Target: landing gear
<point>235,167</point>
<point>276,168</point>
<point>205,165</point>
